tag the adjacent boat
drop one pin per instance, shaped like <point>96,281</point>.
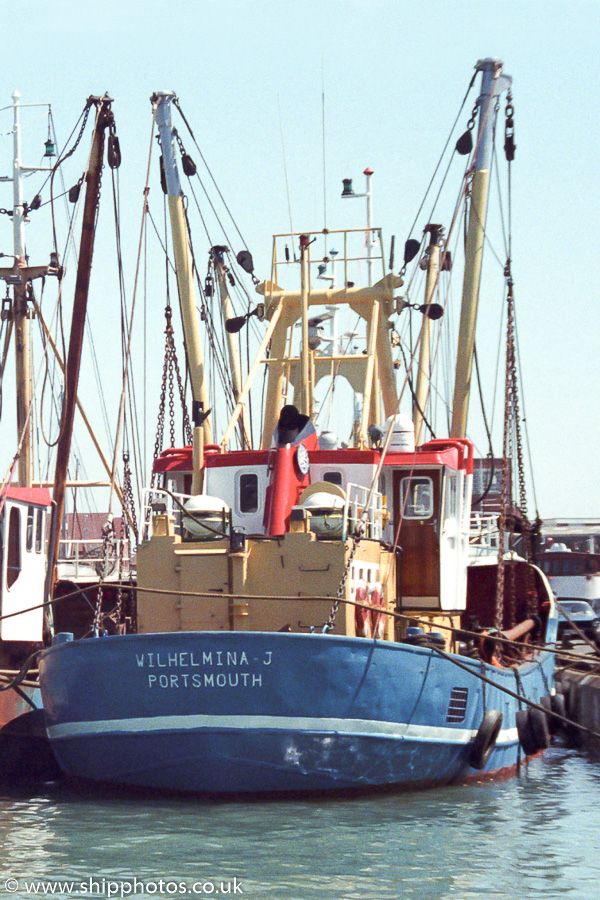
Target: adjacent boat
<point>29,515</point>
<point>571,559</point>
<point>23,507</point>
<point>311,615</point>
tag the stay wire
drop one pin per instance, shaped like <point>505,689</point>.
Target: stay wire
<point>285,172</point>
<point>218,357</point>
<point>178,107</point>
<point>449,138</point>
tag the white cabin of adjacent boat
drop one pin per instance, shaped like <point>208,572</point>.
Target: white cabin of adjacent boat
<point>23,560</point>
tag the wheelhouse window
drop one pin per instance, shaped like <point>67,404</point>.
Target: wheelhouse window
<point>39,531</point>
<point>30,527</point>
<point>13,556</point>
<point>333,478</point>
<point>416,497</point>
<point>248,492</point>
<point>451,496</point>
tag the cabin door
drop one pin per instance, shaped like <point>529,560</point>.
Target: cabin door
<point>417,496</point>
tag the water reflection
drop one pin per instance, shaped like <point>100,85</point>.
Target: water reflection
<point>532,836</point>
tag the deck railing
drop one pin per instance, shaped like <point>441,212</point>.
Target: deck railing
<point>356,504</point>
<point>87,557</point>
<point>484,537</point>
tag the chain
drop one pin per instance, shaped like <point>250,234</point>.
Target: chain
<point>160,426</point>
<point>171,390</point>
<point>187,428</point>
<point>97,625</point>
<point>109,543</point>
<point>179,142</point>
<point>509,129</point>
<point>171,373</point>
<point>129,502</point>
<point>341,591</point>
<point>117,614</point>
<point>513,449</point>
<point>86,113</point>
<point>507,446</point>
<point>472,120</point>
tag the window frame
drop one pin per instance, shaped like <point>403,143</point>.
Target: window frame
<point>405,504</point>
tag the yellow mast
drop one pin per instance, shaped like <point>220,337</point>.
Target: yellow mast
<point>493,83</point>
<point>423,373</point>
<point>232,341</point>
<point>185,282</point>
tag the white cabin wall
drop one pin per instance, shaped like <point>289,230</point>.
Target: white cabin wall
<point>224,482</point>
<point>28,588</point>
<point>454,543</point>
<point>353,474</point>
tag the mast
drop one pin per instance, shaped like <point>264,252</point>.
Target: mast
<point>233,347</point>
<point>492,84</point>
<point>307,386</point>
<point>423,374</point>
<point>185,277</point>
<point>104,120</point>
<point>19,276</point>
<point>20,319</point>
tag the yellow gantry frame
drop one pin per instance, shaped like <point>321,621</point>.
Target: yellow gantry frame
<point>284,308</point>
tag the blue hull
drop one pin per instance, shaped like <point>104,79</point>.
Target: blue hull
<point>214,712</point>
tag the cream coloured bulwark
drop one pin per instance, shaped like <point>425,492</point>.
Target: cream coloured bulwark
<point>246,589</point>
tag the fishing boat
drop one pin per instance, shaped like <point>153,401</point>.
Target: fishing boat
<point>571,559</point>
<point>316,615</point>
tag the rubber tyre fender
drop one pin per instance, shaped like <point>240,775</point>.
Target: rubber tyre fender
<point>485,739</point>
<point>570,695</point>
<point>524,730</point>
<point>558,706</point>
<point>539,724</point>
<point>533,731</point>
<point>553,724</point>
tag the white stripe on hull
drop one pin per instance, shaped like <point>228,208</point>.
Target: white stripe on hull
<point>355,727</point>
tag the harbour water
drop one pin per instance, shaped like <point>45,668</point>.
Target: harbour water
<point>536,835</point>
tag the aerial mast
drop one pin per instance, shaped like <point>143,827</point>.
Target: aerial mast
<point>493,83</point>
<point>19,275</point>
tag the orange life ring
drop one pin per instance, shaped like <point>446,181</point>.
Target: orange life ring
<point>362,616</point>
<point>377,616</point>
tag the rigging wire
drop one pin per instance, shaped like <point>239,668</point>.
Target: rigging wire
<point>285,172</point>
<point>324,158</point>
<point>178,107</point>
<point>468,91</point>
<point>127,378</point>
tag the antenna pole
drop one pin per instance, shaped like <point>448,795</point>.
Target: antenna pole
<point>20,317</point>
<point>19,275</point>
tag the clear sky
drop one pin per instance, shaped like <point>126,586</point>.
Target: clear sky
<point>393,74</point>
